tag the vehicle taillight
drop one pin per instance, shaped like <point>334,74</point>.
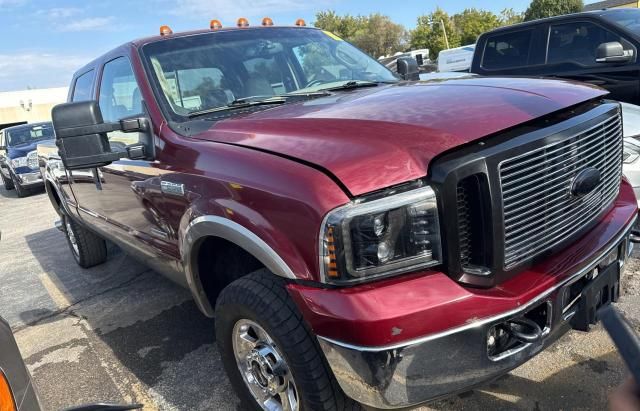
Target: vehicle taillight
<point>7,402</point>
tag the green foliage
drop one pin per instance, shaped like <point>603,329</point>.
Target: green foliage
<point>473,22</point>
<point>429,34</point>
<point>510,16</point>
<point>375,34</point>
<point>539,9</point>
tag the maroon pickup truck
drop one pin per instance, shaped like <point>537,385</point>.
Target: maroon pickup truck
<point>360,237</point>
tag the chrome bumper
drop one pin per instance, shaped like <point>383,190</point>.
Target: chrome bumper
<point>32,178</point>
<point>452,361</point>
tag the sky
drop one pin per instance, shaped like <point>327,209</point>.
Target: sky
<point>44,41</point>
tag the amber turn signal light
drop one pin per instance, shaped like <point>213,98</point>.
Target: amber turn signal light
<point>165,30</point>
<point>242,22</point>
<point>7,402</point>
<point>215,25</point>
<point>300,23</point>
<point>267,21</point>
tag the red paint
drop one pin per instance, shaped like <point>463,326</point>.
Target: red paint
<point>430,302</point>
<point>377,137</point>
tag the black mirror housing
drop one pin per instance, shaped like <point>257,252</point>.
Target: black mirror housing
<point>612,52</point>
<point>81,135</point>
<point>408,68</point>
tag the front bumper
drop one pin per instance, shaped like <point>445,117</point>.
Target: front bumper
<point>30,179</point>
<point>453,361</point>
<point>407,340</point>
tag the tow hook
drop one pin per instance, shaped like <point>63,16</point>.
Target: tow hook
<point>524,330</point>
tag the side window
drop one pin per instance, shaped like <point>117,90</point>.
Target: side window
<point>83,87</point>
<point>577,43</point>
<point>119,98</point>
<point>508,50</point>
<point>119,93</point>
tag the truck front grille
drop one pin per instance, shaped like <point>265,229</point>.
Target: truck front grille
<point>539,211</point>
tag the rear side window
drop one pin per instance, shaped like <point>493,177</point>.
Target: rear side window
<point>83,87</point>
<point>577,43</point>
<point>507,50</point>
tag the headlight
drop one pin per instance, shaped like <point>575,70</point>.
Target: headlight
<point>32,160</point>
<point>377,238</point>
<point>19,162</point>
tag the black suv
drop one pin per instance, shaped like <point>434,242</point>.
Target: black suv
<point>598,47</point>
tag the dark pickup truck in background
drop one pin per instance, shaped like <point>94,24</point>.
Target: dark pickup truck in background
<point>350,245</point>
<point>597,47</point>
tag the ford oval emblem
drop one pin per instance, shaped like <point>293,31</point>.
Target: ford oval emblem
<point>585,182</point>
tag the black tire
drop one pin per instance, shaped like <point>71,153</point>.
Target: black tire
<point>8,184</point>
<point>86,247</point>
<point>261,297</point>
<point>20,191</point>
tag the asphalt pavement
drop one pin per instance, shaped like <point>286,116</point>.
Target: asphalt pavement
<point>122,333</point>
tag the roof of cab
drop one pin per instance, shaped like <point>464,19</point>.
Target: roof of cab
<point>152,39</point>
<point>526,24</point>
<point>28,125</point>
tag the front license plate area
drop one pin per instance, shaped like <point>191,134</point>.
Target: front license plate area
<point>600,287</point>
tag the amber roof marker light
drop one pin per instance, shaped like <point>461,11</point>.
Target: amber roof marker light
<point>243,22</point>
<point>165,30</point>
<point>215,24</point>
<point>300,23</point>
<point>267,21</point>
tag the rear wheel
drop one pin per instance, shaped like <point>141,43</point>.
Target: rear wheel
<point>272,359</point>
<point>86,247</point>
<point>8,184</point>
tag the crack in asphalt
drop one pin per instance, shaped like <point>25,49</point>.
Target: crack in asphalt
<point>68,311</point>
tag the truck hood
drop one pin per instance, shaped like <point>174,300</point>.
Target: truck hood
<point>23,149</point>
<point>381,136</point>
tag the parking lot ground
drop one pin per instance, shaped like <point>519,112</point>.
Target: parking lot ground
<point>120,332</point>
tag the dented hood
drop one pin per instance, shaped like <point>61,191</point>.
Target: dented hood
<point>372,138</point>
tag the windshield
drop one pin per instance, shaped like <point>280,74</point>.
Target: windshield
<point>29,134</point>
<point>202,72</point>
<point>627,18</point>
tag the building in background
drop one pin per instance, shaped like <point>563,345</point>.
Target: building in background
<point>29,106</point>
<point>611,4</point>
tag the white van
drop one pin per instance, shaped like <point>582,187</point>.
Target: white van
<point>457,59</point>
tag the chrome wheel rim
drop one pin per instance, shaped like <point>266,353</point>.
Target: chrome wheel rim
<point>263,368</point>
<point>72,239</point>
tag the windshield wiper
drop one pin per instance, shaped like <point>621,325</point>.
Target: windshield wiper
<point>240,103</point>
<point>250,101</point>
<point>349,85</point>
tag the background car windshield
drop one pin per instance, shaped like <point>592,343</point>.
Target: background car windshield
<point>25,135</point>
<point>205,71</point>
<point>627,18</point>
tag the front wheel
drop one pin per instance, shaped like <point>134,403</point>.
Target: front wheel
<point>272,359</point>
<point>20,191</point>
<point>8,184</point>
<point>86,247</point>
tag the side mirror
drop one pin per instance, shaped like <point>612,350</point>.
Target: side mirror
<point>612,52</point>
<point>408,68</point>
<point>81,134</point>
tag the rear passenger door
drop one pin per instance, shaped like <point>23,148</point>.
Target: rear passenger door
<point>511,53</point>
<point>571,53</point>
<point>120,198</point>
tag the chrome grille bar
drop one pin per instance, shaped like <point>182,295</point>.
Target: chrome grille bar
<point>539,211</point>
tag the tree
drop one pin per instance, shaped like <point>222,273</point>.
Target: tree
<point>344,26</point>
<point>428,33</point>
<point>379,36</point>
<point>472,22</point>
<point>539,9</point>
<point>510,16</point>
<point>375,34</point>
